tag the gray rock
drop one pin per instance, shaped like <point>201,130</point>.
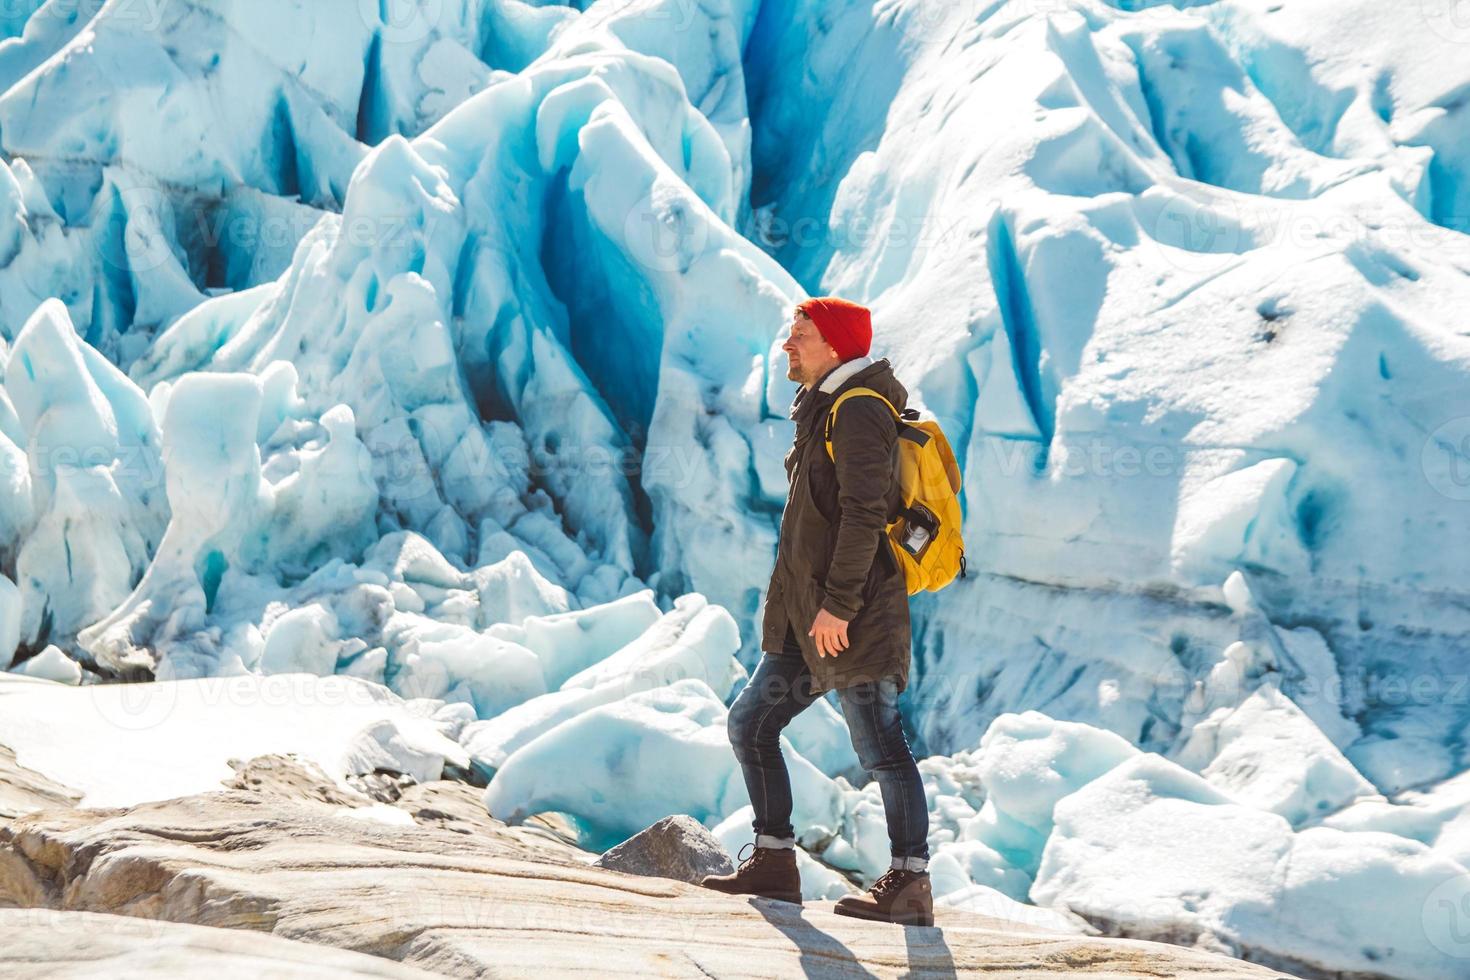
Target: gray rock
<point>677,847</point>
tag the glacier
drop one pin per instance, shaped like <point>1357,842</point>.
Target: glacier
<point>433,348</point>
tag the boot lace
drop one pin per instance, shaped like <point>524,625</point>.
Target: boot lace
<point>756,855</point>
<point>891,881</point>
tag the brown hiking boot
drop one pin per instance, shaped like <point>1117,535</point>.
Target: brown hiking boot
<point>900,896</point>
<point>769,872</point>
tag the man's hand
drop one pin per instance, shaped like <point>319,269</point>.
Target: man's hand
<point>830,633</point>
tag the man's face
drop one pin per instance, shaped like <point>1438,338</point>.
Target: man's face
<point>808,355</point>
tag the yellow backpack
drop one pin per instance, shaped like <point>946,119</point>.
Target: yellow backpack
<point>926,534</point>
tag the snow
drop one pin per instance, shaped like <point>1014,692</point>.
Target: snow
<point>693,640</point>
<point>1127,852</point>
<point>996,905</point>
<point>123,744</point>
<point>433,350</point>
<point>1268,753</point>
<point>1028,763</point>
<point>52,665</point>
<point>622,766</point>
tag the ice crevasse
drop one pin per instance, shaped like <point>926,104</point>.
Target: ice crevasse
<point>438,348</point>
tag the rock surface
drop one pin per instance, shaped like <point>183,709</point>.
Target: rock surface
<point>677,847</point>
<point>36,943</point>
<point>294,778</point>
<point>433,884</point>
<point>25,791</point>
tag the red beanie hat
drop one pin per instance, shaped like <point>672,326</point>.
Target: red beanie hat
<point>848,327</point>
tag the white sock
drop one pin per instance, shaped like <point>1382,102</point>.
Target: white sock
<point>766,840</point>
<point>912,863</point>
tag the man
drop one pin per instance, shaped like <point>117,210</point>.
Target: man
<point>836,618</point>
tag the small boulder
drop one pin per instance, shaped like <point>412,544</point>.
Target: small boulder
<point>677,847</point>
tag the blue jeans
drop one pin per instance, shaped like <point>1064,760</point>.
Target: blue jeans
<point>778,691</point>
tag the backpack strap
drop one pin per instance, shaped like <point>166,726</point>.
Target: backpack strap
<point>850,393</point>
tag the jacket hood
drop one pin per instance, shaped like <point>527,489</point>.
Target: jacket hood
<point>878,375</point>
<point>860,372</point>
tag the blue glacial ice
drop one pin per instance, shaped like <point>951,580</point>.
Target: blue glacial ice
<point>433,348</point>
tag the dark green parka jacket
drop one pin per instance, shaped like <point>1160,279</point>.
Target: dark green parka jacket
<point>833,552</point>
